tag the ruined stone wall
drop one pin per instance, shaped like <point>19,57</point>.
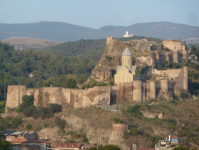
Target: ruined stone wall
<point>172,44</point>
<point>178,76</point>
<point>14,95</point>
<point>74,97</point>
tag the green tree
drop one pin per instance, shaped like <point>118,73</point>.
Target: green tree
<point>126,134</point>
<point>93,148</point>
<point>133,131</point>
<point>40,83</point>
<point>5,145</point>
<point>28,127</point>
<point>28,100</point>
<point>166,64</point>
<point>70,83</point>
<point>16,121</point>
<point>4,124</point>
<point>109,147</point>
<point>85,139</point>
<point>180,147</point>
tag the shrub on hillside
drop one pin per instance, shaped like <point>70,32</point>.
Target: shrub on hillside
<point>133,131</point>
<point>61,123</point>
<point>16,121</point>
<point>29,111</point>
<point>28,100</point>
<point>116,120</point>
<point>28,127</point>
<point>85,139</point>
<point>4,124</point>
<point>55,108</point>
<point>135,109</point>
<point>126,134</point>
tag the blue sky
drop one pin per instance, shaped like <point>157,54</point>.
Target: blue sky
<point>98,13</point>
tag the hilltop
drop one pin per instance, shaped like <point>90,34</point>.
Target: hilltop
<point>63,32</point>
<point>26,43</point>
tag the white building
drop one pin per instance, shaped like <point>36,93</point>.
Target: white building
<point>127,35</point>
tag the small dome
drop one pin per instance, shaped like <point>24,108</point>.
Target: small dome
<point>126,52</point>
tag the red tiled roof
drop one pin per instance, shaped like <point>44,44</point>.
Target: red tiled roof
<point>37,141</point>
<point>68,145</point>
<point>32,147</point>
<point>18,140</point>
<point>90,145</point>
<point>146,148</point>
<point>174,137</point>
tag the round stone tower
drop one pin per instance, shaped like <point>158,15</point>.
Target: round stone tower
<point>127,58</point>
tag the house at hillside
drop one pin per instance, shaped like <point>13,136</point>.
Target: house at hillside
<point>8,135</point>
<point>68,146</point>
<point>29,75</point>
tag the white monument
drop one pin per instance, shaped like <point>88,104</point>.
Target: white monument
<point>127,35</point>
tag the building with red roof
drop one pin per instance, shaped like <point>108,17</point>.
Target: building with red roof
<point>68,146</point>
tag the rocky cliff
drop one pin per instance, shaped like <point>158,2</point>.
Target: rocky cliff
<point>111,58</point>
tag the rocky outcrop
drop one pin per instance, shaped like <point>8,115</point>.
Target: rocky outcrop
<point>111,58</point>
<point>101,136</point>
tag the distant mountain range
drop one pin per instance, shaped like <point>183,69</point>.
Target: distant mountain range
<point>63,32</point>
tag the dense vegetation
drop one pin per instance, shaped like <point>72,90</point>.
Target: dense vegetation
<point>46,68</point>
<point>91,49</point>
<point>29,109</point>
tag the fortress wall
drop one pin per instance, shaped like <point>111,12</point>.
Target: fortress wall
<point>180,56</point>
<point>157,89</point>
<point>175,56</point>
<point>30,92</point>
<point>170,86</point>
<point>22,91</point>
<point>37,97</point>
<point>51,95</point>
<point>66,95</point>
<point>128,91</point>
<point>12,97</point>
<point>144,90</point>
<point>103,95</point>
<point>77,97</point>
<point>152,90</point>
<point>172,44</point>
<point>179,80</point>
<point>162,57</point>
<point>147,90</point>
<point>122,92</point>
<point>114,93</point>
<point>137,91</point>
<point>157,55</point>
<point>164,86</point>
<point>172,73</point>
<point>185,80</point>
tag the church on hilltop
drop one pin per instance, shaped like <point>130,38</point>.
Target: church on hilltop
<point>126,73</point>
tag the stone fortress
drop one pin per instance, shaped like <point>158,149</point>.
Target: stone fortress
<point>128,86</point>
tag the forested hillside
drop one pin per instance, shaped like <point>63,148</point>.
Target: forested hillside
<point>91,49</point>
<point>46,68</point>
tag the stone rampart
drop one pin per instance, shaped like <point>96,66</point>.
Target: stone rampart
<point>172,44</point>
<point>74,97</point>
